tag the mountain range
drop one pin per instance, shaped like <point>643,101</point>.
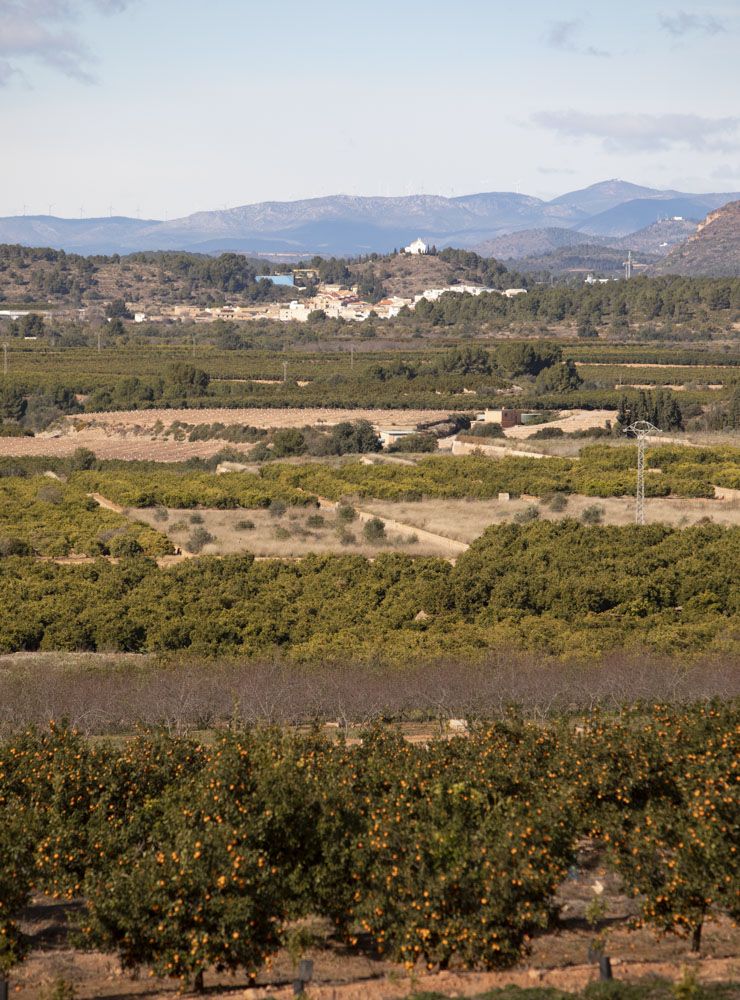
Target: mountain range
<point>353,225</point>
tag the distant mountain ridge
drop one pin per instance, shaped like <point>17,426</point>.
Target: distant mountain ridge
<point>350,225</point>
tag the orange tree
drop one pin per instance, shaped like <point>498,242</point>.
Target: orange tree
<point>16,869</point>
<point>665,793</point>
<point>76,795</point>
<point>456,848</point>
<point>55,778</point>
<point>217,868</point>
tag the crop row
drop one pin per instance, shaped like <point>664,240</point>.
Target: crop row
<point>557,587</point>
<point>190,856</point>
<point>600,471</point>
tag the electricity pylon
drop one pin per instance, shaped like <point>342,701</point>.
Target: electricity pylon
<point>641,429</point>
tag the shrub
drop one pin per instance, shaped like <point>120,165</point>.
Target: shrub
<point>83,459</point>
<point>346,513</point>
<point>594,514</point>
<point>315,521</point>
<point>288,441</point>
<point>14,547</point>
<point>415,443</point>
<point>261,453</point>
<point>198,540</point>
<point>124,546</point>
<point>196,518</point>
<point>558,502</point>
<point>374,530</point>
<point>487,430</point>
<point>282,533</point>
<point>277,508</point>
<point>530,513</point>
<point>161,514</point>
<point>244,525</point>
<point>547,433</point>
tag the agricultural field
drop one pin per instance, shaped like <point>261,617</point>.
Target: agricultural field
<point>466,520</point>
<point>245,852</point>
<point>42,516</point>
<point>205,557</point>
<point>518,586</point>
<point>146,375</point>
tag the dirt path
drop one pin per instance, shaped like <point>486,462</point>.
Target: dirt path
<point>452,984</point>
<point>469,447</point>
<point>102,501</point>
<point>99,976</point>
<point>451,546</point>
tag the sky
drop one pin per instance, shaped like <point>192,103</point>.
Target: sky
<point>161,108</point>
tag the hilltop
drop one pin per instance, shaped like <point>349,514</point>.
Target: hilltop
<point>42,277</point>
<point>530,244</point>
<point>52,277</point>
<point>714,250</point>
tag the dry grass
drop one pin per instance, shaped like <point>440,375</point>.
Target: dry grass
<point>573,420</point>
<point>466,520</point>
<point>265,540</point>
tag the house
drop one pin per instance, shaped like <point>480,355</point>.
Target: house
<point>417,247</point>
<point>389,435</point>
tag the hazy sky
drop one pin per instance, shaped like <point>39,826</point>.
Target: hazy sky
<point>166,107</point>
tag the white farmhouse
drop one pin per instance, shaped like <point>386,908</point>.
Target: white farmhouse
<point>417,247</point>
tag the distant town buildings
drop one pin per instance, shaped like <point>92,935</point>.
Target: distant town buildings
<point>334,301</point>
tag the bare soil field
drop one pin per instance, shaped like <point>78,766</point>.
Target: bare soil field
<point>575,420</point>
<point>643,364</point>
<point>558,958</point>
<point>139,434</point>
<point>466,520</point>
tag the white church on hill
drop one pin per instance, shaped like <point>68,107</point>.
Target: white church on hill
<point>417,247</point>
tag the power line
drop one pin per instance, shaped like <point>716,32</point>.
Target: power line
<point>641,429</point>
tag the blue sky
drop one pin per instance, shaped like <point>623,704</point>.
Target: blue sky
<point>166,107</point>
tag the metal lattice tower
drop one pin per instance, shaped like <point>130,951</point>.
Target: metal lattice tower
<point>641,429</point>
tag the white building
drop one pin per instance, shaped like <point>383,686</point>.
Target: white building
<point>417,247</point>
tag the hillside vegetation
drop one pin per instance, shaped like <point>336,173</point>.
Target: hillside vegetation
<point>714,250</point>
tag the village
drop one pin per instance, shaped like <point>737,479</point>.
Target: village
<point>333,301</point>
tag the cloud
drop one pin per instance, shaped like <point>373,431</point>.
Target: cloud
<point>640,132</point>
<point>47,32</point>
<point>725,171</point>
<point>555,170</point>
<point>563,35</point>
<point>683,23</point>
